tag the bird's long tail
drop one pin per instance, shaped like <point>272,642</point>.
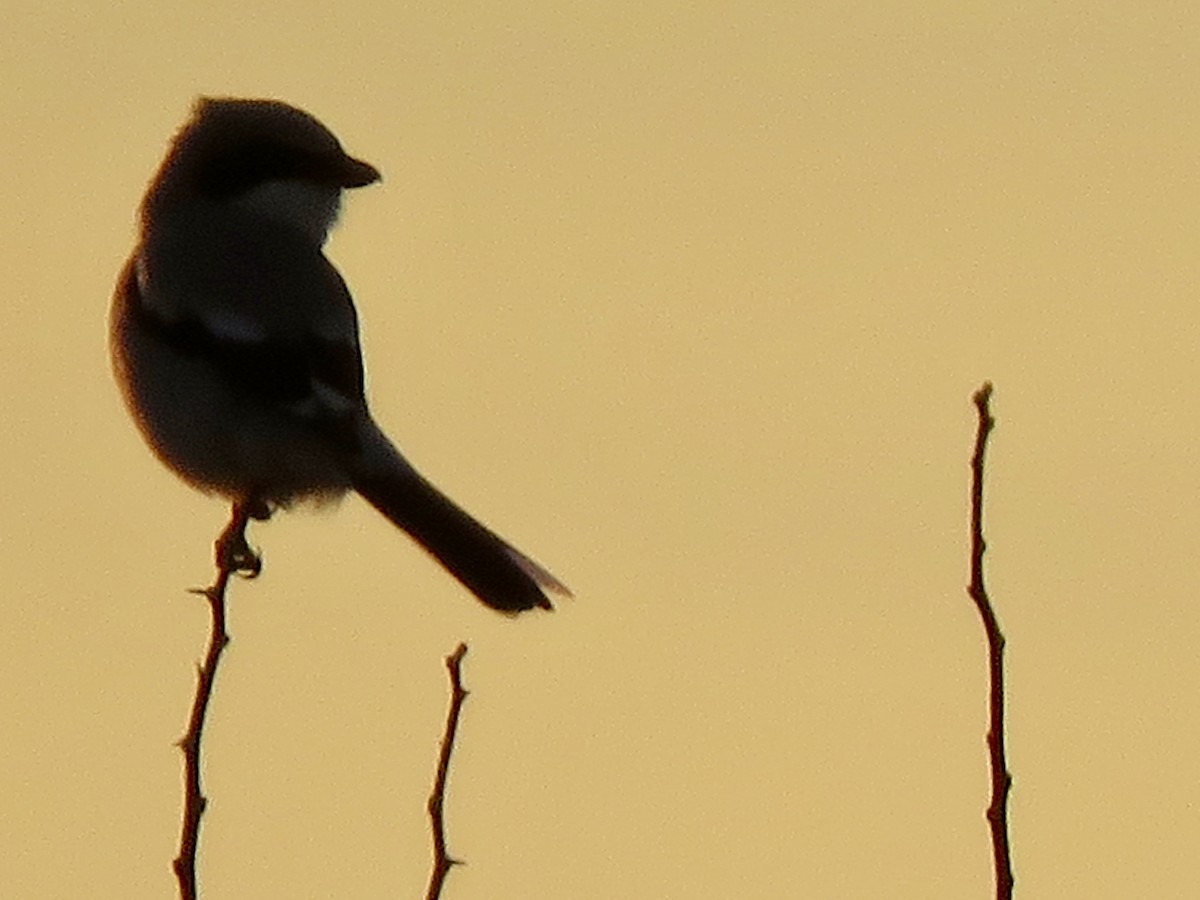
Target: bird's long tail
<point>495,572</point>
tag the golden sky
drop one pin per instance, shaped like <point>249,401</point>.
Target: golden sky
<point>689,303</point>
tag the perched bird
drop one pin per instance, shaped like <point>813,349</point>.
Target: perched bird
<point>235,341</point>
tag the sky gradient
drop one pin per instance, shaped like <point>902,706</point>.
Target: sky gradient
<point>689,304</point>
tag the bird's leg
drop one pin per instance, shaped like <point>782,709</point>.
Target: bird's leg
<point>233,554</point>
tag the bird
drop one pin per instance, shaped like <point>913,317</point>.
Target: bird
<point>235,343</point>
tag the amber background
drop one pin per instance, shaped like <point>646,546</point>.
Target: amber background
<point>689,301</point>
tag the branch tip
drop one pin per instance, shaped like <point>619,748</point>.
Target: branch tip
<point>997,811</point>
<point>442,860</point>
<point>233,556</point>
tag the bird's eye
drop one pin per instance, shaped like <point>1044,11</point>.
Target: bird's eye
<point>240,169</point>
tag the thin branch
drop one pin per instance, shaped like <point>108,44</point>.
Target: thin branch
<point>233,556</point>
<point>997,813</point>
<point>442,861</point>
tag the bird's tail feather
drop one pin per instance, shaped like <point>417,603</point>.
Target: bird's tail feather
<point>495,572</point>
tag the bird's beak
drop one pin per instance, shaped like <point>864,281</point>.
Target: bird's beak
<point>356,173</point>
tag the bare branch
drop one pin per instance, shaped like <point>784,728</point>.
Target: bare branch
<point>997,813</point>
<point>442,861</point>
<point>233,556</point>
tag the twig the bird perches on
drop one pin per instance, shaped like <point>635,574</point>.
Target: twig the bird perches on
<point>233,556</point>
<point>442,861</point>
<point>997,813</point>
